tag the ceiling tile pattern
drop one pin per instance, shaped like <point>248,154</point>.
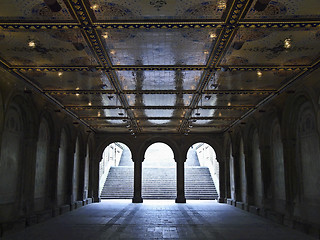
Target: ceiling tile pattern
<point>159,66</point>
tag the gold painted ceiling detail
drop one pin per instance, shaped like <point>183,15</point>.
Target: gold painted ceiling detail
<point>159,66</point>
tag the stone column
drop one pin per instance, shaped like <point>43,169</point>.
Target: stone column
<point>222,182</point>
<point>180,182</point>
<point>237,179</point>
<point>94,171</point>
<point>137,181</point>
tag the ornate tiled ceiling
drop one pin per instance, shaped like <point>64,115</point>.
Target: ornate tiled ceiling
<point>161,66</point>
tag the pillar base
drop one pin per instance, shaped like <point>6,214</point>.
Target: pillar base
<point>180,200</point>
<point>137,200</point>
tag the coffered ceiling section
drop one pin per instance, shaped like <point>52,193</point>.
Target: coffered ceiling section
<point>162,66</point>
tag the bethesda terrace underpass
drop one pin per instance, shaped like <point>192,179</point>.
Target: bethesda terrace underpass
<point>155,119</point>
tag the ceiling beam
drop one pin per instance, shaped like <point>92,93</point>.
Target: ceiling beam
<point>234,107</point>
<point>153,92</point>
<point>83,15</point>
<point>161,24</point>
<point>160,68</point>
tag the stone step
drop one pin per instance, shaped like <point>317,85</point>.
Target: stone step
<point>159,183</point>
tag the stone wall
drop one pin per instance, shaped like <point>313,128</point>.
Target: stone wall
<point>277,148</point>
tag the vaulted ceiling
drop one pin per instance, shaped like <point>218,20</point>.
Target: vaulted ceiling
<point>159,66</point>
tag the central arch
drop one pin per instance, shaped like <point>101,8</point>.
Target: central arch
<point>159,172</point>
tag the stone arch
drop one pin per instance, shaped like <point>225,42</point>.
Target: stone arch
<point>217,145</point>
<point>148,142</point>
<point>122,139</point>
<point>158,155</point>
<point>308,152</point>
<point>21,111</point>
<point>303,136</point>
<point>11,166</point>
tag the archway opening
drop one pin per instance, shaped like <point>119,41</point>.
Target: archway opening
<point>159,172</point>
<point>201,173</point>
<point>116,172</point>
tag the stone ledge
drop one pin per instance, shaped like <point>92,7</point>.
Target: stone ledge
<point>78,204</point>
<point>275,216</point>
<point>44,215</point>
<point>11,227</point>
<point>240,205</point>
<point>229,201</point>
<point>64,209</point>
<point>72,206</point>
<point>31,220</point>
<point>55,211</point>
<point>254,209</point>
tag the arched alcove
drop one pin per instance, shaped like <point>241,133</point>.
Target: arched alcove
<point>75,173</point>
<point>62,169</point>
<point>41,171</point>
<point>10,162</point>
<point>159,172</point>
<point>308,163</point>
<point>202,172</point>
<point>256,170</point>
<point>232,183</point>
<point>116,172</point>
<point>242,169</point>
<point>277,167</point>
<point>86,173</point>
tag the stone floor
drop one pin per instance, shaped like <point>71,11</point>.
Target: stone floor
<point>121,219</point>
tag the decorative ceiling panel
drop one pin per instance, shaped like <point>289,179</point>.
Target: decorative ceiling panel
<point>230,99</point>
<point>211,129</point>
<point>158,46</point>
<point>163,66</point>
<point>250,80</point>
<point>216,113</point>
<point>278,9</point>
<point>285,46</point>
<point>159,80</point>
<point>105,10</point>
<point>84,80</point>
<point>45,48</point>
<point>96,113</point>
<point>159,99</point>
<point>87,100</point>
<point>31,10</point>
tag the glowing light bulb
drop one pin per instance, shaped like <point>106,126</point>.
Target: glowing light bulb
<point>99,114</point>
<point>60,74</point>
<point>213,35</point>
<point>77,94</point>
<point>287,43</point>
<point>105,35</point>
<point>32,44</point>
<point>259,73</point>
<point>229,104</point>
<point>222,4</point>
<point>94,7</point>
<point>90,104</point>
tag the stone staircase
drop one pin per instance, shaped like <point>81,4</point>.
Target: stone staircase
<point>159,183</point>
